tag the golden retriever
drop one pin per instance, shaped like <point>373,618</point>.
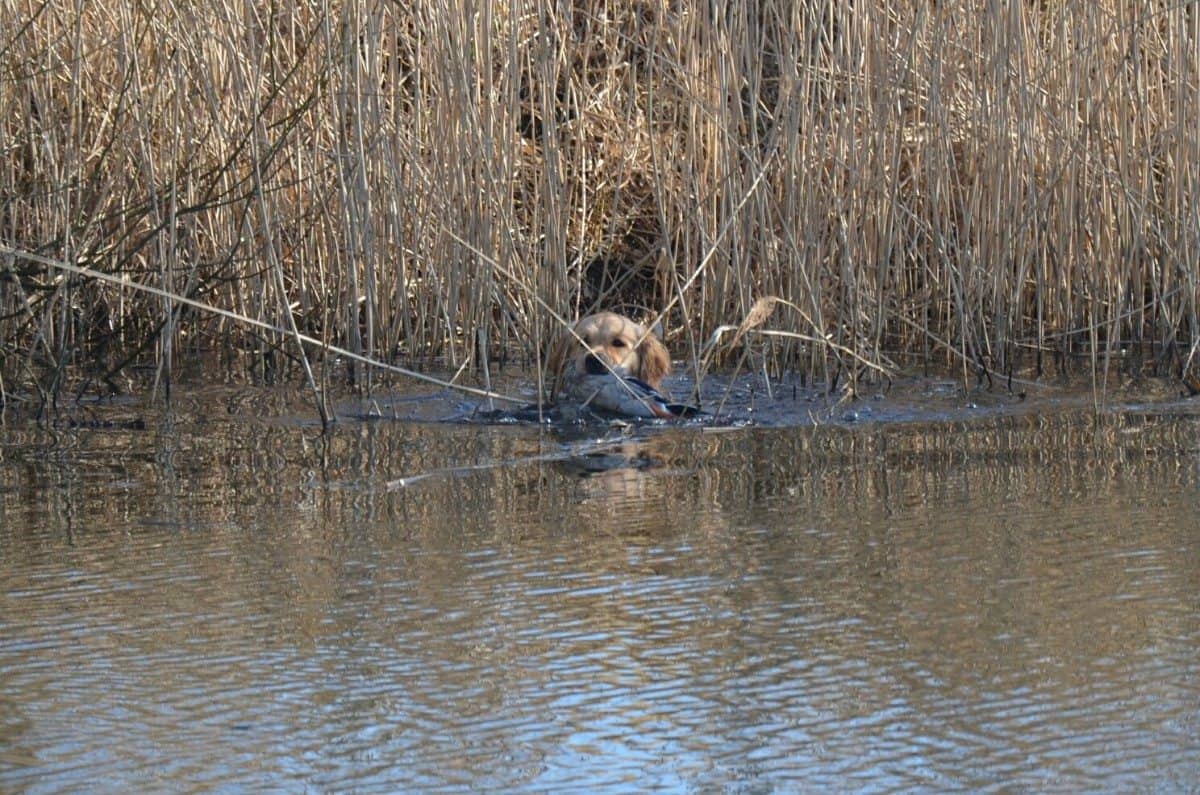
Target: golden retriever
<point>592,368</point>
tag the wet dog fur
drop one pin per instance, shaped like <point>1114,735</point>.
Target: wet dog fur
<point>606,342</point>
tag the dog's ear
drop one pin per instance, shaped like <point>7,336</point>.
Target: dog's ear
<point>654,361</point>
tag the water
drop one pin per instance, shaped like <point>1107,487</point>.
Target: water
<point>222,598</point>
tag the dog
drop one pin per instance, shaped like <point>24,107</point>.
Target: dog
<point>612,365</point>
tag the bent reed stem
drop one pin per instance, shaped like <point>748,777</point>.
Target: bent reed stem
<point>88,273</point>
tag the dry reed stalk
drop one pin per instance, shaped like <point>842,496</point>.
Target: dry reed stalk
<point>963,186</point>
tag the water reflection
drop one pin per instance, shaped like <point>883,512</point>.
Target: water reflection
<point>219,602</point>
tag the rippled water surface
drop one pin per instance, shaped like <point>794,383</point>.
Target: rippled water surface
<point>220,597</point>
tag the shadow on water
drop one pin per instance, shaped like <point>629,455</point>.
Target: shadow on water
<point>223,597</point>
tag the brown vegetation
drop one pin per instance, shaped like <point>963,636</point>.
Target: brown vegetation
<point>963,184</point>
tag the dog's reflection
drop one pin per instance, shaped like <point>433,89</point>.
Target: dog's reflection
<point>628,483</point>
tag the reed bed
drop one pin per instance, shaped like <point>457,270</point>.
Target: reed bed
<point>854,187</point>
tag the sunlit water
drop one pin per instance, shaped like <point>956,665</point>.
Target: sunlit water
<point>227,599</point>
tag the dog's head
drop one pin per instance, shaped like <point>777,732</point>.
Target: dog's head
<point>609,342</point>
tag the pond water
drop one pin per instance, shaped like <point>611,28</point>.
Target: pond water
<point>885,595</point>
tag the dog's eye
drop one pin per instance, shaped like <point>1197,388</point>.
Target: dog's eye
<point>618,343</point>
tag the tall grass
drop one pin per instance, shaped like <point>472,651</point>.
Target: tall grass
<point>985,186</point>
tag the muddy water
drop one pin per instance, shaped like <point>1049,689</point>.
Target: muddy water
<point>221,598</point>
